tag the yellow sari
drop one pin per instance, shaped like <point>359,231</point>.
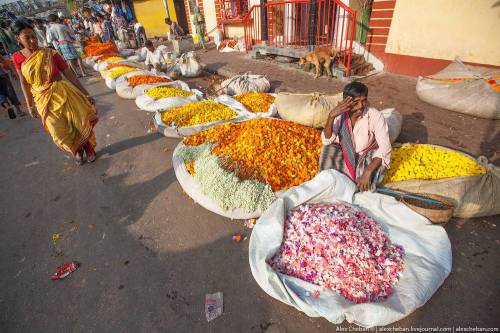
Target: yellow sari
<point>66,114</point>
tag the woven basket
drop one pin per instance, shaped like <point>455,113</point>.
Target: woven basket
<point>434,214</point>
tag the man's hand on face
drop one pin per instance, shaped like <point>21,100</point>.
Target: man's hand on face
<point>342,107</point>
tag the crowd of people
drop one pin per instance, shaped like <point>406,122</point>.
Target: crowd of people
<point>39,52</point>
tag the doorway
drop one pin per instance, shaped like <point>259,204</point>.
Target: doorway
<point>180,12</point>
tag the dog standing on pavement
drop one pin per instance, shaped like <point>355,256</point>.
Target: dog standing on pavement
<point>322,55</point>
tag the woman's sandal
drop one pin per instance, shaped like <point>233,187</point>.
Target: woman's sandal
<point>91,158</point>
<point>79,159</point>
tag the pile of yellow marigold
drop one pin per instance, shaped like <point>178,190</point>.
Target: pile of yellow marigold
<point>164,92</point>
<point>119,71</point>
<point>197,113</point>
<point>145,79</point>
<point>118,64</point>
<point>421,161</point>
<point>256,102</point>
<point>277,152</point>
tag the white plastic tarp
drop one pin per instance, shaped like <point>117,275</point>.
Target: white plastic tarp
<point>427,256</point>
<point>193,189</point>
<point>111,82</point>
<point>146,103</point>
<point>125,90</point>
<point>179,132</point>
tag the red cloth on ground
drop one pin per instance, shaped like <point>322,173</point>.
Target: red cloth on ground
<point>58,65</point>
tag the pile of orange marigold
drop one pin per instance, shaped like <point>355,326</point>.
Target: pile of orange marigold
<point>95,49</point>
<point>146,79</point>
<point>277,152</point>
<point>256,102</point>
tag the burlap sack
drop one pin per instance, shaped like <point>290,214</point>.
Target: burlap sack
<point>306,109</point>
<point>474,196</point>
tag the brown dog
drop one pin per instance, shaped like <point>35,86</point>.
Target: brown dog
<point>322,55</point>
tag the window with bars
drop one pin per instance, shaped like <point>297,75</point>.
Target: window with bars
<point>233,9</point>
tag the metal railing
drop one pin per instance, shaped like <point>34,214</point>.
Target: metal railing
<point>302,24</point>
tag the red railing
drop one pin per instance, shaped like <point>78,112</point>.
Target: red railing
<point>303,24</point>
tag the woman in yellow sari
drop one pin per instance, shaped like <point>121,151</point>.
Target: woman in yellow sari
<point>66,109</point>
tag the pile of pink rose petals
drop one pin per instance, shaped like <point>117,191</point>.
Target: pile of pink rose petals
<point>340,248</point>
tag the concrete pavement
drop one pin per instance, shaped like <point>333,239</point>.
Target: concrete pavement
<point>149,254</point>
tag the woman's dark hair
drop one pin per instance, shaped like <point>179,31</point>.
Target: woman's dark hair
<point>355,89</point>
<point>52,18</point>
<point>148,44</point>
<point>19,25</point>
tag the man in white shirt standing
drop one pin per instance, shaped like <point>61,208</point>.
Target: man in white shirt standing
<point>140,34</point>
<point>62,37</point>
<point>155,58</point>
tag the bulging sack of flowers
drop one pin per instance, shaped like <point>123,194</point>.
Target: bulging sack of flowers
<point>313,109</point>
<point>394,121</point>
<point>189,65</point>
<point>237,169</point>
<point>462,88</point>
<point>253,105</point>
<point>125,86</point>
<point>114,74</point>
<point>246,83</point>
<point>194,117</point>
<point>167,96</point>
<point>472,184</point>
<point>306,109</point>
<point>331,253</point>
<point>106,66</point>
<point>102,61</point>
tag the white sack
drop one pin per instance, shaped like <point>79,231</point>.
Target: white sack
<point>125,90</point>
<point>146,103</point>
<point>427,254</point>
<point>101,66</point>
<point>111,82</point>
<point>234,104</point>
<point>126,52</point>
<point>179,132</point>
<point>394,121</point>
<point>245,83</point>
<point>189,66</point>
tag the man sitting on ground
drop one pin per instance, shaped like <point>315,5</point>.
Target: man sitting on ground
<point>356,139</point>
<point>155,57</point>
